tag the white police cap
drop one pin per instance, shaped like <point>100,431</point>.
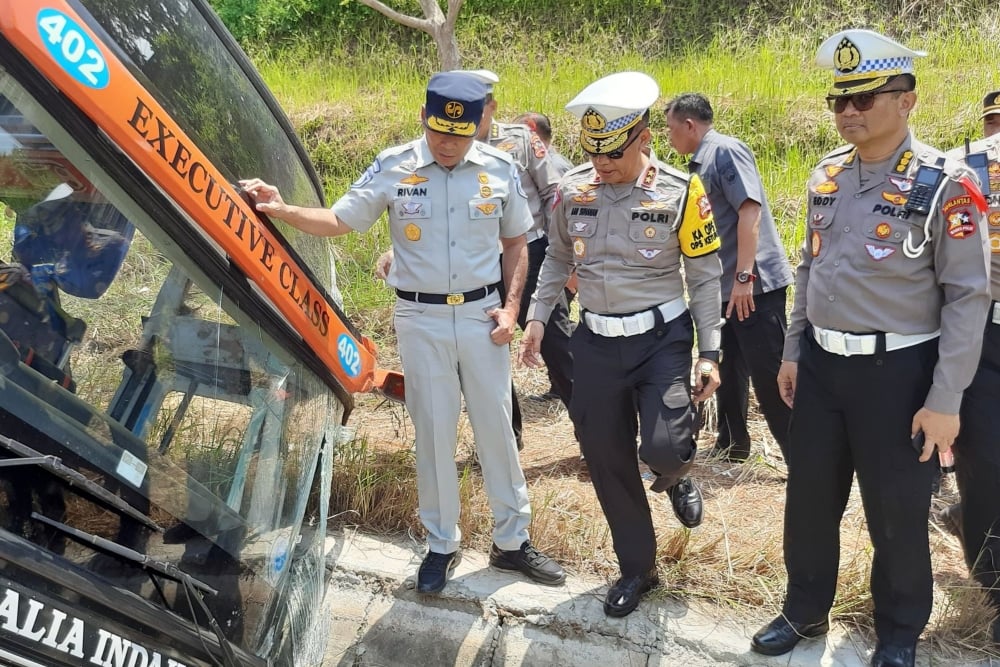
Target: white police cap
<point>863,60</point>
<point>610,107</point>
<point>484,76</point>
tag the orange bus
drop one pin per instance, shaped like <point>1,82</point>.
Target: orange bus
<point>175,369</point>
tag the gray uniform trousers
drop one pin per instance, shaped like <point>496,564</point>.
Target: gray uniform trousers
<point>446,353</point>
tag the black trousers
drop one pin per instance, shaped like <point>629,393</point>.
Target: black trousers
<point>624,387</point>
<point>977,467</point>
<point>751,350</point>
<point>853,414</point>
<point>555,343</point>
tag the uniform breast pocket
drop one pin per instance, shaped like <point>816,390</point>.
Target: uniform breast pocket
<point>412,208</point>
<point>581,231</point>
<point>883,240</point>
<point>649,243</point>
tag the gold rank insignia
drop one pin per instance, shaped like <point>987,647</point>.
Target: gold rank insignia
<point>654,205</point>
<point>994,219</point>
<point>832,170</point>
<point>995,243</point>
<point>483,177</point>
<point>649,177</point>
<point>586,187</point>
<point>883,230</point>
<point>904,162</point>
<point>413,179</point>
<point>505,146</point>
<point>485,191</point>
<point>827,187</point>
<point>584,197</point>
<point>412,232</point>
<point>487,209</point>
<point>579,248</point>
<point>649,232</point>
<point>894,198</point>
<point>816,242</point>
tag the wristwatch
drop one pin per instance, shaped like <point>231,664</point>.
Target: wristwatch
<point>705,369</point>
<point>744,277</point>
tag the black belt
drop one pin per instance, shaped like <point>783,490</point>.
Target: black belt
<point>455,299</point>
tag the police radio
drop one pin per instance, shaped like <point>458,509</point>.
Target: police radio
<point>980,163</point>
<point>925,185</point>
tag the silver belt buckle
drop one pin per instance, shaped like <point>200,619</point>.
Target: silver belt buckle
<point>996,313</point>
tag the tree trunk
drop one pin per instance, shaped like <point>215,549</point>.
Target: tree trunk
<point>435,23</point>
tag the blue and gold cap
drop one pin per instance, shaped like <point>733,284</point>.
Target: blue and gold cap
<point>610,107</point>
<point>454,104</point>
<point>863,61</point>
<point>991,104</point>
<point>484,76</point>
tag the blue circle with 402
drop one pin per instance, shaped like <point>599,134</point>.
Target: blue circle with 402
<point>72,48</point>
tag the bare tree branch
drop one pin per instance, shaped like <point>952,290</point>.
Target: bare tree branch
<point>405,19</point>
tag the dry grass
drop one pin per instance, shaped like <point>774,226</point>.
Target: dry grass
<point>733,560</point>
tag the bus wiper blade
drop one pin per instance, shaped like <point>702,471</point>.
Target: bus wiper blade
<point>55,466</point>
<point>107,546</point>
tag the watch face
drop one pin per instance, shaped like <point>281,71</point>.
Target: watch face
<point>742,277</point>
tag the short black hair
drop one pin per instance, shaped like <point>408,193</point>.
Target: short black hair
<point>909,80</point>
<point>538,122</point>
<point>691,105</point>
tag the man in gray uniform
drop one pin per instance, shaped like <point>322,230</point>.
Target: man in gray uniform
<point>451,201</point>
<point>627,224</point>
<point>977,457</point>
<point>890,302</point>
<point>755,273</point>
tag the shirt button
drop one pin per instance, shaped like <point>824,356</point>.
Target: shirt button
<point>451,210</point>
<point>452,244</point>
<point>847,229</point>
<point>455,275</point>
<point>857,195</point>
<point>837,263</point>
<point>831,298</point>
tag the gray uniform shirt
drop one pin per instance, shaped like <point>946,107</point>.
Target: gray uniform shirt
<point>855,276</point>
<point>445,225</point>
<point>625,242</point>
<point>532,158</point>
<point>991,188</point>
<point>729,173</point>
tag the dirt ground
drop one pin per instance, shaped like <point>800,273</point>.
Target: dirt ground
<point>732,560</point>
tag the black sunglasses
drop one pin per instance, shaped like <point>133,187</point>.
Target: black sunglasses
<point>619,153</point>
<point>861,101</point>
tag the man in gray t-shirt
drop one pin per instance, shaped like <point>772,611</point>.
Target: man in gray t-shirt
<point>755,273</point>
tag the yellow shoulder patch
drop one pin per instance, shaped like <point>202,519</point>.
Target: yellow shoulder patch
<point>697,233</point>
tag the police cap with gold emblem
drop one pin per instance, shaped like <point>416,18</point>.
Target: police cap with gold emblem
<point>991,104</point>
<point>454,104</point>
<point>863,61</point>
<point>610,107</point>
<point>484,76</point>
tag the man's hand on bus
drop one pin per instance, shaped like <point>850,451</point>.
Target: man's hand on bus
<point>266,197</point>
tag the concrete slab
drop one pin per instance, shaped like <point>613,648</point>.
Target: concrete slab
<point>486,617</point>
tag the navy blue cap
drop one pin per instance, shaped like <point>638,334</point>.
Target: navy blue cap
<point>454,104</point>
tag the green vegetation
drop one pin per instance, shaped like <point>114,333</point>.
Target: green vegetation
<point>352,81</point>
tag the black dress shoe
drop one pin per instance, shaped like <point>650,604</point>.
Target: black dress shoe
<point>889,655</point>
<point>529,561</point>
<point>624,595</point>
<point>685,496</point>
<point>781,635</point>
<point>435,570</point>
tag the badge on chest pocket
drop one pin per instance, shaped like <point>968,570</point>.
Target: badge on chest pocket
<point>413,208</point>
<point>485,209</point>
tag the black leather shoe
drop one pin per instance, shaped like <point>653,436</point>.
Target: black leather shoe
<point>781,635</point>
<point>435,570</point>
<point>888,655</point>
<point>624,595</point>
<point>685,496</point>
<point>529,561</point>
